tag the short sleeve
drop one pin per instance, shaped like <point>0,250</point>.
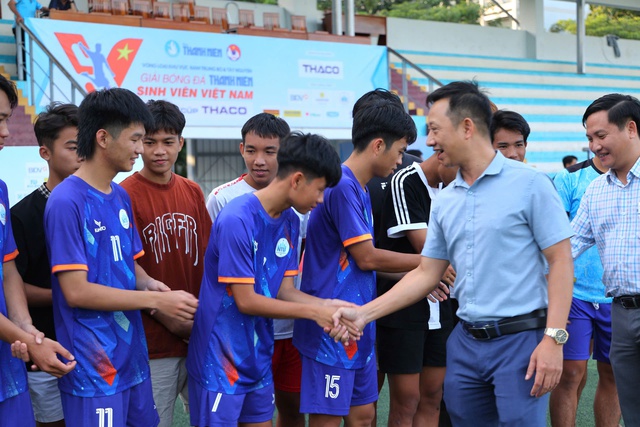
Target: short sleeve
<point>235,246</point>
<point>349,214</point>
<point>435,245</point>
<point>407,210</point>
<point>20,238</point>
<point>64,230</point>
<point>561,182</point>
<point>547,217</point>
<point>9,249</point>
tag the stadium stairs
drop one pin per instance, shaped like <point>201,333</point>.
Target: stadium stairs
<point>549,94</point>
<point>21,122</point>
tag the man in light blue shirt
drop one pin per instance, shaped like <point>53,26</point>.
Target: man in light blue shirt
<point>608,217</point>
<point>496,222</point>
<point>589,318</point>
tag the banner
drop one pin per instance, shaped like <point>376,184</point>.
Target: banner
<point>218,79</point>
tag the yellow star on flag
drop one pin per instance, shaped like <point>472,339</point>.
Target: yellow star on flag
<point>124,52</point>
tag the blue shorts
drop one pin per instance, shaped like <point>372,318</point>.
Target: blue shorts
<point>212,408</point>
<point>333,391</point>
<point>587,321</point>
<point>16,411</point>
<point>132,408</point>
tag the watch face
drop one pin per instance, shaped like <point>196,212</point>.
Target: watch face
<point>562,336</point>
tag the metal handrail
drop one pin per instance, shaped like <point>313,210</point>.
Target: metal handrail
<point>432,81</point>
<point>75,86</point>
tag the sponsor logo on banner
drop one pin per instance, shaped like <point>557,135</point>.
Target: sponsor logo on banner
<point>172,48</point>
<point>320,69</point>
<point>97,65</point>
<point>292,113</point>
<point>274,112</point>
<point>333,114</point>
<point>233,52</point>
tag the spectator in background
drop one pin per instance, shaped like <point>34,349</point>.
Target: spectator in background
<point>569,161</point>
<point>63,5</point>
<point>509,133</point>
<point>23,9</point>
<point>57,132</point>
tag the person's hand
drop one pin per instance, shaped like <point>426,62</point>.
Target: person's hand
<point>352,321</point>
<point>19,19</point>
<point>440,293</point>
<point>45,357</point>
<point>179,304</point>
<point>546,362</point>
<point>157,286</point>
<point>19,351</point>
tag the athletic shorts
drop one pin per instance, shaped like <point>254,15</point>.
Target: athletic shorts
<point>16,411</point>
<point>132,408</point>
<point>212,408</point>
<point>286,366</point>
<point>45,397</point>
<point>588,321</point>
<point>333,391</point>
<point>400,352</point>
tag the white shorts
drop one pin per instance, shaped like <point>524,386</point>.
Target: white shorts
<point>169,380</point>
<point>45,397</point>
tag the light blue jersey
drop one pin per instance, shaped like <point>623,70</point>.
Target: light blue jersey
<point>571,184</point>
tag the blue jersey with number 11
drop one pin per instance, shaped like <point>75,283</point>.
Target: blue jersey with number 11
<point>92,231</point>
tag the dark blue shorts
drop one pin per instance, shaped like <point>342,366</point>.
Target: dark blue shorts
<point>17,412</point>
<point>211,408</point>
<point>588,321</point>
<point>132,408</point>
<point>333,391</point>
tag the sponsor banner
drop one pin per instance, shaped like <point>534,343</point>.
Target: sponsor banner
<point>216,79</point>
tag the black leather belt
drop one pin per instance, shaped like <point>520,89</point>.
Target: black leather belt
<point>628,301</point>
<point>511,325</point>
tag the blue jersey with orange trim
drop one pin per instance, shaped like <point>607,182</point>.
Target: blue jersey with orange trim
<point>13,375</point>
<point>230,352</point>
<point>343,219</point>
<point>92,231</point>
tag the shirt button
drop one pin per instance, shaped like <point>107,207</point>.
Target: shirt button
<point>468,274</point>
<point>469,219</point>
<point>468,246</point>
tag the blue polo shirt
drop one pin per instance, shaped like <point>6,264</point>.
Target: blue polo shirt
<point>493,233</point>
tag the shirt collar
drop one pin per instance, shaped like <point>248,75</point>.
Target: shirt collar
<point>494,168</point>
<point>44,191</point>
<point>633,172</point>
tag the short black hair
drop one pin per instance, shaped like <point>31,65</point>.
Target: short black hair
<point>9,88</point>
<point>509,120</point>
<point>112,110</point>
<point>52,121</point>
<point>621,109</point>
<point>374,96</point>
<point>566,160</point>
<point>310,154</point>
<point>166,117</point>
<point>466,100</point>
<point>381,119</point>
<point>266,125</point>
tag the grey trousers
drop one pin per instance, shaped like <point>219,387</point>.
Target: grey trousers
<point>625,360</point>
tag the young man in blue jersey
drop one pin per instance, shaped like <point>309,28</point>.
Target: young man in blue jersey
<point>340,381</point>
<point>15,321</point>
<point>56,130</point>
<point>250,265</point>
<point>92,244</point>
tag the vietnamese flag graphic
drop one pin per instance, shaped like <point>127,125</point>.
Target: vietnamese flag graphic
<point>121,57</point>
